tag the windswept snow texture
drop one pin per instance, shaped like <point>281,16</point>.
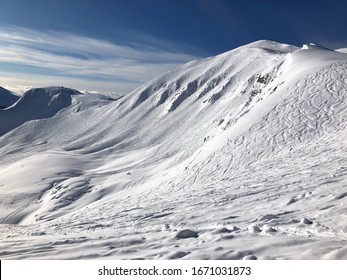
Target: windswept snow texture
<point>238,156</point>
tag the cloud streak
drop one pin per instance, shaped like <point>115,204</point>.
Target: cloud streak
<point>80,60</point>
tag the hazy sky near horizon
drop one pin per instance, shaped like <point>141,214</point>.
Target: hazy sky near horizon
<point>116,45</point>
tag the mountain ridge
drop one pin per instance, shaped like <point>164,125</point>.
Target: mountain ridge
<point>7,98</point>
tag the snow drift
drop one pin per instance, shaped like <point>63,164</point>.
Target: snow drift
<point>242,154</point>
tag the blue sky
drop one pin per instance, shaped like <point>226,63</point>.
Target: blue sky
<point>116,45</point>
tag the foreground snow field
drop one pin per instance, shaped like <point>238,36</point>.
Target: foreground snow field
<point>238,156</point>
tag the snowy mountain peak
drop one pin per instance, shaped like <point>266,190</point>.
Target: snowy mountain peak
<point>272,46</point>
<point>7,98</point>
<point>50,92</point>
<point>208,80</point>
<point>308,46</point>
<point>312,46</point>
<point>37,103</point>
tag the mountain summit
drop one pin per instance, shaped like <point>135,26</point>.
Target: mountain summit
<point>237,156</point>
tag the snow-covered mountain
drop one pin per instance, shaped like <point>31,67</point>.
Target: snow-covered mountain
<point>35,104</point>
<point>238,156</point>
<point>7,98</point>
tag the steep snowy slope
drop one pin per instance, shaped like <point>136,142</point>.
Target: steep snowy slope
<point>246,149</point>
<point>7,98</point>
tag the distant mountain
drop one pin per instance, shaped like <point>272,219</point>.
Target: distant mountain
<point>38,103</point>
<point>7,98</point>
<point>237,156</point>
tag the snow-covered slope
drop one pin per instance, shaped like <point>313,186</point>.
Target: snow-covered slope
<point>245,149</point>
<point>7,98</point>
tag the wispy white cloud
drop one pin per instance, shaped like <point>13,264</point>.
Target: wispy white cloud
<point>82,62</point>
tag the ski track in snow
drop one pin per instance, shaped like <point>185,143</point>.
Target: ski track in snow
<point>247,156</point>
